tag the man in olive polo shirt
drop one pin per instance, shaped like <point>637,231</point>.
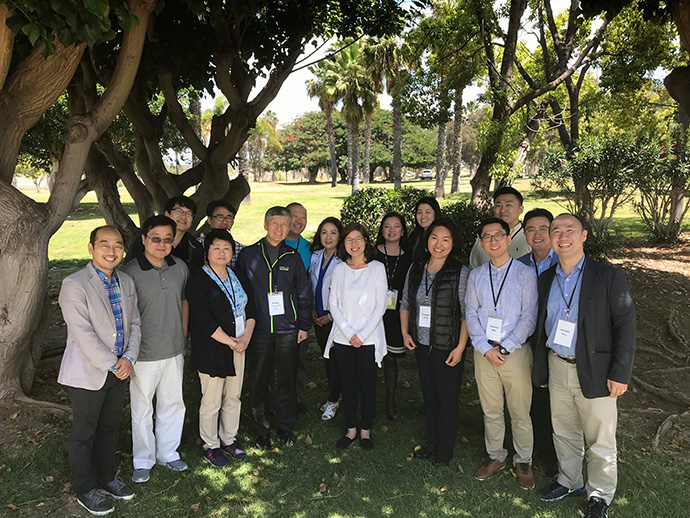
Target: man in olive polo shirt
<point>160,281</point>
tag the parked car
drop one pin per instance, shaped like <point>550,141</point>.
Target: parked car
<point>426,175</point>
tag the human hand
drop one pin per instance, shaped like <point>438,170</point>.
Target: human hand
<point>122,369</point>
<point>495,358</point>
<point>616,389</point>
<point>302,336</point>
<point>355,341</point>
<point>408,342</point>
<point>454,357</point>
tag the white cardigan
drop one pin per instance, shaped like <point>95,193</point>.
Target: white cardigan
<point>315,269</point>
<point>358,301</point>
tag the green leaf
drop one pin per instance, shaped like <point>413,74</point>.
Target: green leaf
<point>32,31</point>
<point>97,7</point>
<point>127,20</point>
<point>16,23</point>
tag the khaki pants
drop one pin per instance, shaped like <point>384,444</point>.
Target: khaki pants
<point>582,428</point>
<point>513,379</point>
<point>221,397</point>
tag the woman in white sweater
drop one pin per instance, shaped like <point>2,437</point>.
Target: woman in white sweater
<point>357,302</point>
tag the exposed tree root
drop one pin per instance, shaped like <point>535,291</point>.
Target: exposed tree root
<point>44,404</point>
<point>679,355</point>
<point>677,398</point>
<point>657,352</point>
<point>668,370</point>
<point>674,329</point>
<point>665,426</point>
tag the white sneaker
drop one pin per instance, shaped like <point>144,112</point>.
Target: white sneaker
<point>330,410</point>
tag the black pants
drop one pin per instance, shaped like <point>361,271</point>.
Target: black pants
<point>267,351</point>
<point>301,383</point>
<point>332,369</point>
<point>96,417</point>
<point>441,386</point>
<point>357,372</point>
<point>543,429</point>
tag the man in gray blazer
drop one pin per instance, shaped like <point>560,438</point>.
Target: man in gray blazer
<point>99,306</point>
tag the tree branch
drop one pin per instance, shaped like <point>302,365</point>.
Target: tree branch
<point>6,44</point>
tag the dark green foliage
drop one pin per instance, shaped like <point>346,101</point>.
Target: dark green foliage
<point>467,217</point>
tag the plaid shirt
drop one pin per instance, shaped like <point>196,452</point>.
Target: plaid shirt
<point>112,288</point>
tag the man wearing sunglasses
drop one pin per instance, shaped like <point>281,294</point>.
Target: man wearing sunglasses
<point>160,281</point>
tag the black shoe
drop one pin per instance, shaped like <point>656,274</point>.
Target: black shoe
<point>597,508</point>
<point>117,489</point>
<point>442,458</point>
<point>95,503</point>
<point>556,492</point>
<point>264,441</point>
<point>366,444</point>
<point>344,442</point>
<point>426,452</point>
<point>287,437</point>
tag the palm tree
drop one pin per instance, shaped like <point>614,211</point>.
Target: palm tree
<point>323,88</point>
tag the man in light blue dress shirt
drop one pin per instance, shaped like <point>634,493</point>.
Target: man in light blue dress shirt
<point>501,306</point>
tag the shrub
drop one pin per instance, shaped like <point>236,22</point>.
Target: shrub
<point>467,217</point>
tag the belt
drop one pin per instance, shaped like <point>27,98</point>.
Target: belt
<point>567,359</point>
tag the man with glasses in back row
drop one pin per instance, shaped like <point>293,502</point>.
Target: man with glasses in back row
<point>220,215</point>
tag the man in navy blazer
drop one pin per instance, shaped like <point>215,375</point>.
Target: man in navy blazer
<point>584,348</point>
<point>99,306</point>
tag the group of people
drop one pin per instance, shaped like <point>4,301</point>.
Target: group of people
<point>553,333</point>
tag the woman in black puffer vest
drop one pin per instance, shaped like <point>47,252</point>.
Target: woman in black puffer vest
<point>432,318</point>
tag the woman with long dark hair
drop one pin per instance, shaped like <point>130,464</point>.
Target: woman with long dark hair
<point>323,261</point>
<point>358,339</point>
<point>432,319</point>
<point>391,244</point>
<point>426,211</point>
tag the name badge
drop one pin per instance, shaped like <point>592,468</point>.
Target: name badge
<point>392,297</point>
<point>493,329</point>
<point>275,304</point>
<point>565,331</point>
<point>424,316</point>
<point>239,326</point>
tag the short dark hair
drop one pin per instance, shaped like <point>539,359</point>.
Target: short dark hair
<point>94,233</point>
<point>213,235</point>
<point>182,201</point>
<point>508,190</point>
<point>369,250</point>
<point>316,242</point>
<point>491,221</point>
<point>537,213</point>
<point>294,204</point>
<point>454,234</point>
<point>569,215</point>
<point>158,221</point>
<point>403,237</point>
<point>211,207</point>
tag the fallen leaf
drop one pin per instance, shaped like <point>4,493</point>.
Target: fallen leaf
<point>384,428</point>
<point>335,476</point>
<point>464,439</point>
<point>417,448</point>
<point>460,468</point>
<point>255,479</point>
<point>14,416</point>
<point>208,499</point>
<point>67,488</point>
<point>410,457</point>
<point>194,507</point>
<point>323,488</point>
<point>177,481</point>
<point>260,467</point>
<point>311,385</point>
<point>444,489</point>
<point>308,440</point>
<point>13,507</point>
<point>340,484</point>
<point>49,478</point>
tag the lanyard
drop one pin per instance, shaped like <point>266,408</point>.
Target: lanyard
<point>225,288</point>
<point>491,280</point>
<point>568,303</point>
<point>427,287</point>
<point>395,264</point>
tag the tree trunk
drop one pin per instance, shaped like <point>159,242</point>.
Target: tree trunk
<point>441,162</point>
<point>195,111</point>
<point>396,167</point>
<point>313,173</point>
<point>243,167</point>
<point>526,142</point>
<point>331,146</point>
<point>366,171</point>
<point>481,182</point>
<point>457,141</point>
<point>353,154</point>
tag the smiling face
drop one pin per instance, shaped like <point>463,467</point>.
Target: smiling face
<point>537,234</point>
<point>329,236</point>
<point>425,215</point>
<point>508,208</point>
<point>495,241</point>
<point>568,237</point>
<point>440,243</point>
<point>222,219</point>
<point>219,253</point>
<point>392,230</point>
<point>107,251</point>
<point>277,228</point>
<point>299,219</point>
<point>182,216</point>
<point>158,243</point>
<point>355,244</point>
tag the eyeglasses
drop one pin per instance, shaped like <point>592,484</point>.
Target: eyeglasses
<point>182,212</point>
<point>487,238</point>
<point>157,240</point>
<point>354,240</point>
<point>534,230</point>
<point>105,247</point>
<point>220,217</point>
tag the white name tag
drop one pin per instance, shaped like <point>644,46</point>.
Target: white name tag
<point>424,316</point>
<point>275,304</point>
<point>239,326</point>
<point>565,331</point>
<point>392,297</point>
<point>493,329</point>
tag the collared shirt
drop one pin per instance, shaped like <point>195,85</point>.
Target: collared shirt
<point>112,288</point>
<point>302,246</point>
<point>557,306</point>
<point>516,304</point>
<point>540,267</point>
<point>517,248</point>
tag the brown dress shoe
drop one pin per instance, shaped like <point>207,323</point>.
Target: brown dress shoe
<point>525,477</point>
<point>489,468</point>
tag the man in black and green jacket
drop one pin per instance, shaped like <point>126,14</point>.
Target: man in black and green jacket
<point>283,301</point>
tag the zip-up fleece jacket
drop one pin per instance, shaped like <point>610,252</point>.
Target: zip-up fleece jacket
<point>288,275</point>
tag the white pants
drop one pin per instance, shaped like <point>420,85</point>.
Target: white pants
<point>162,379</point>
<point>221,399</point>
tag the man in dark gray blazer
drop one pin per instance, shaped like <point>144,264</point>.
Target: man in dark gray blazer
<point>99,306</point>
<point>584,348</point>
